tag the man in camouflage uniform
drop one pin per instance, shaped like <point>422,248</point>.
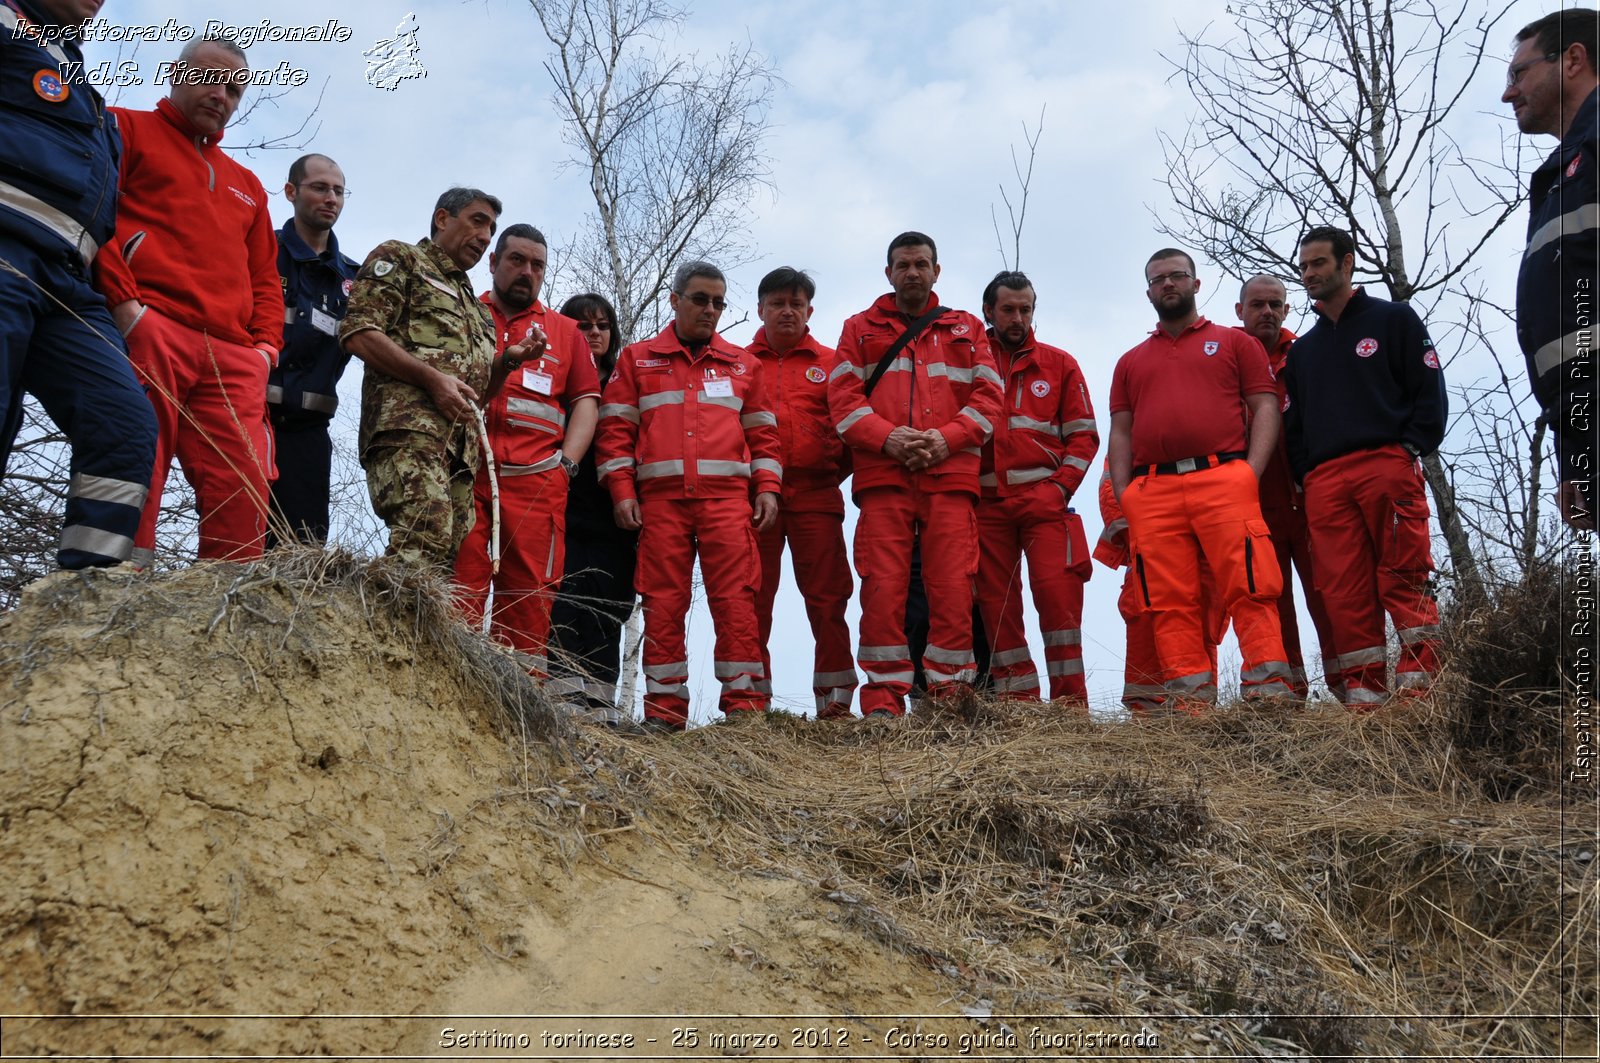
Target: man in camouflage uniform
<point>428,345</point>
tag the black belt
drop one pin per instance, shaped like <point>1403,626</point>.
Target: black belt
<point>1207,461</point>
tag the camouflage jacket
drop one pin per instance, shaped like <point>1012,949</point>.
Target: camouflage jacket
<point>418,297</point>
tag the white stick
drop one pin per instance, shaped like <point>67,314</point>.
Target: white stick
<point>494,496</point>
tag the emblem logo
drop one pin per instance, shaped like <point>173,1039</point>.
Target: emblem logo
<point>1040,388</point>
<point>737,368</point>
<point>1211,347</point>
<point>1430,358</point>
<point>960,330</point>
<point>651,363</point>
<point>50,87</point>
<point>347,285</point>
<point>382,268</point>
<point>1367,348</point>
<point>1572,168</point>
<point>816,375</point>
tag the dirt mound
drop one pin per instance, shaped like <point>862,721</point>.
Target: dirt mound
<point>294,808</point>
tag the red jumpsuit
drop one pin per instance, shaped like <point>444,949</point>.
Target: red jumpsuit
<point>812,517</point>
<point>690,435</point>
<point>1142,688</point>
<point>1283,506</point>
<point>1039,454</point>
<point>195,244</point>
<point>945,380</point>
<point>527,421</point>
<point>1194,498</point>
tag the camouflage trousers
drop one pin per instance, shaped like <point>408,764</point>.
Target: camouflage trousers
<point>421,487</point>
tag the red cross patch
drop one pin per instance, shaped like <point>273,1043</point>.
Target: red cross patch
<point>347,285</point>
<point>1040,388</point>
<point>1367,348</point>
<point>50,87</point>
<point>960,330</point>
<point>816,375</point>
<point>1430,358</point>
<point>737,368</point>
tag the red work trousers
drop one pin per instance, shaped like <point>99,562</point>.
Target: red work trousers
<point>533,548</point>
<point>890,518</point>
<point>1370,548</point>
<point>1035,523</point>
<point>812,522</point>
<point>719,530</point>
<point>1143,688</point>
<point>210,400</point>
<point>1291,537</point>
<point>1213,514</point>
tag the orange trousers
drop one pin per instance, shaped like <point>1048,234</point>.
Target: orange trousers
<point>533,547</point>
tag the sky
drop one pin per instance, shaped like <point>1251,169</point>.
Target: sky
<point>881,123</point>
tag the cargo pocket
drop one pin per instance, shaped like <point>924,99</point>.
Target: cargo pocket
<point>1263,579</point>
<point>1408,548</point>
<point>1144,585</point>
<point>1080,563</point>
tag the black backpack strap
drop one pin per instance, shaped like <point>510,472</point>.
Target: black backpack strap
<point>912,331</point>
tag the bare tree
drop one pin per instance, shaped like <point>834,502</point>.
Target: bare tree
<point>1343,112</point>
<point>673,147</point>
<point>1017,213</point>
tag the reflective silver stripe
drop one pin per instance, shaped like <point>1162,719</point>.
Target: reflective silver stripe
<point>678,690</point>
<point>1143,692</point>
<point>1411,635</point>
<point>1072,666</point>
<point>988,480</point>
<point>729,669</point>
<point>534,660</point>
<point>1361,658</point>
<point>837,680</point>
<point>1557,352</point>
<point>99,541</point>
<point>1027,476</point>
<point>1573,223</point>
<point>899,365</point>
<point>1067,636</point>
<point>1077,463</point>
<point>1265,672</point>
<point>755,420</point>
<point>524,470</point>
<point>1412,680</point>
<point>311,400</point>
<point>846,369</point>
<point>944,656</point>
<point>1114,529</point>
<point>9,19</point>
<point>1277,686</point>
<point>978,419</point>
<point>652,469</point>
<point>883,653</point>
<point>835,697</point>
<point>853,418</point>
<point>660,398</point>
<point>983,372</point>
<point>105,489</point>
<point>727,402</point>
<point>1049,428</point>
<point>43,213</point>
<point>964,675</point>
<point>1001,658</point>
<point>144,557</point>
<point>670,670</point>
<point>565,684</point>
<point>739,682</point>
<point>889,677</point>
<point>771,465</point>
<point>274,394</point>
<point>535,408</point>
<point>622,410</point>
<point>614,465</point>
<point>1071,427</point>
<point>1354,695</point>
<point>1199,685</point>
<point>288,315</point>
<point>1011,684</point>
<point>706,467</point>
<point>762,686</point>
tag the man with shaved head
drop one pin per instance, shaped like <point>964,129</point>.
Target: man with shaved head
<point>1263,303</point>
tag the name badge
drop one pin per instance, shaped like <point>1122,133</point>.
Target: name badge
<point>535,381</point>
<point>324,323</point>
<point>719,388</point>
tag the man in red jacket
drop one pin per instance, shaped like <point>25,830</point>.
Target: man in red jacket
<point>1263,302</point>
<point>915,395</point>
<point>685,438</point>
<point>796,367</point>
<point>540,424</point>
<point>1040,452</point>
<point>192,280</point>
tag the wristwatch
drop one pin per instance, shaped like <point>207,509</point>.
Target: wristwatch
<point>569,465</point>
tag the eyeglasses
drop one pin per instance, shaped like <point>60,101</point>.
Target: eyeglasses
<point>594,326</point>
<point>1514,73</point>
<point>1177,276</point>
<point>701,299</point>
<point>322,188</point>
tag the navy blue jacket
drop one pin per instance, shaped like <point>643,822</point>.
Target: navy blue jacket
<point>1371,380</point>
<point>1556,296</point>
<point>305,385</point>
<point>58,146</point>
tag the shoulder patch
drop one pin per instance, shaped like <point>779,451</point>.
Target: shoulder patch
<point>1211,347</point>
<point>382,268</point>
<point>1367,348</point>
<point>1430,358</point>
